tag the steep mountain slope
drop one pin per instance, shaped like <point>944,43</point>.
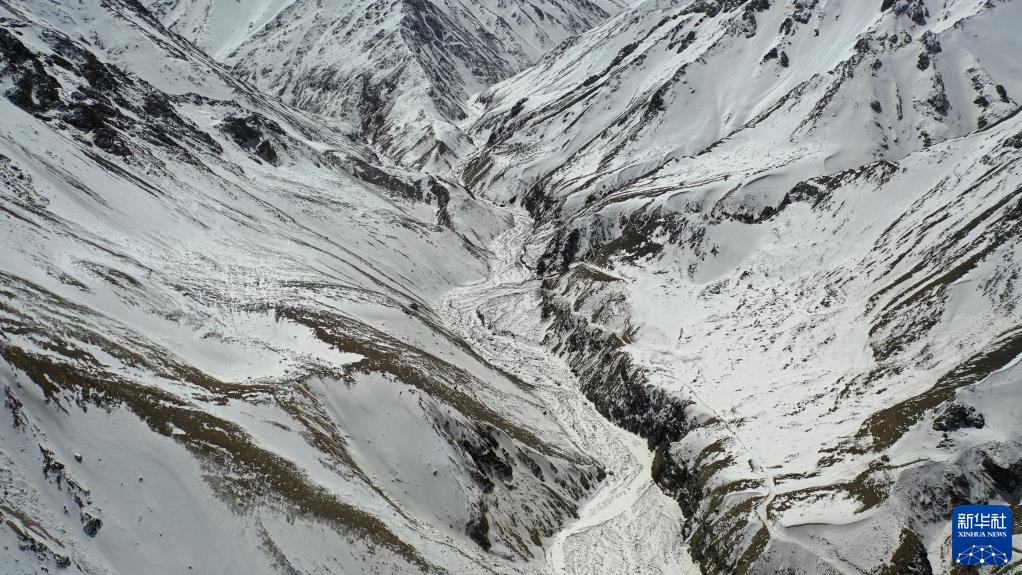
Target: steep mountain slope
<point>787,252</point>
<point>837,84</point>
<point>218,348</point>
<point>257,326</point>
<point>629,525</point>
<point>402,71</point>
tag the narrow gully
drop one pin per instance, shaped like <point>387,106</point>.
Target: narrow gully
<point>628,525</point>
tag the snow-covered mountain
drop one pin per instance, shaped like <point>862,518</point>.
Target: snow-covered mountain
<point>825,86</point>
<point>219,351</point>
<point>278,294</point>
<point>402,71</point>
<point>787,252</point>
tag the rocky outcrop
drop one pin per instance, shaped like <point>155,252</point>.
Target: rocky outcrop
<point>253,134</point>
<point>956,416</point>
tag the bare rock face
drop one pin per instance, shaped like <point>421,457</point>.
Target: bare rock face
<point>251,133</point>
<point>956,416</point>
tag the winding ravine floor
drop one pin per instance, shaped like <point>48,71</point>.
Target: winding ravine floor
<point>629,526</point>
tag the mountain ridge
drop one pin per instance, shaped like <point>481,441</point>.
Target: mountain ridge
<point>418,60</point>
<point>744,280</point>
<point>288,298</point>
<point>216,315</point>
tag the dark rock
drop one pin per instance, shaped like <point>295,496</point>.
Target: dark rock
<point>918,13</point>
<point>684,43</point>
<point>956,416</point>
<point>930,42</point>
<point>478,528</point>
<point>265,151</point>
<point>914,9</point>
<point>520,104</point>
<point>13,50</point>
<point>940,103</point>
<point>33,89</point>
<point>250,132</point>
<point>90,524</point>
<point>804,11</point>
<point>489,464</point>
<point>749,24</point>
<point>13,403</point>
<point>709,7</point>
<point>570,249</point>
<point>1006,477</point>
<point>910,558</point>
<point>99,119</point>
<point>51,465</point>
<point>372,174</point>
<point>443,198</point>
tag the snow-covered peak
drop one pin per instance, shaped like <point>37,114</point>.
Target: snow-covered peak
<point>845,82</point>
<point>402,71</point>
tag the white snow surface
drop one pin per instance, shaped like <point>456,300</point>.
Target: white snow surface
<point>799,221</point>
<point>223,304</point>
<point>368,287</point>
